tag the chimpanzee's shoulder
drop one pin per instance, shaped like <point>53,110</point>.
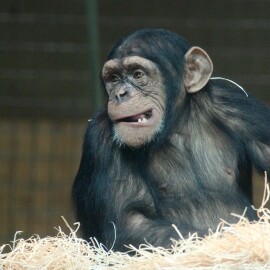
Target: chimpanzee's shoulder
<point>230,101</point>
<point>99,121</point>
<point>225,88</point>
<point>98,129</point>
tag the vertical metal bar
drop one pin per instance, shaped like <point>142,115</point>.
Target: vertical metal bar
<point>13,133</point>
<point>93,38</point>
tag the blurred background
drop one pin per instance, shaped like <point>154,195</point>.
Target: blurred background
<point>50,57</point>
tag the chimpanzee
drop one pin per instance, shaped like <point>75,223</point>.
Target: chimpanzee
<point>171,146</point>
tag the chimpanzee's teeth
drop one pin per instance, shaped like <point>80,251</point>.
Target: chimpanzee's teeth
<point>142,120</point>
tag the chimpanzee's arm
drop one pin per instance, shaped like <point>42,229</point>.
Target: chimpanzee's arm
<point>258,140</point>
<point>95,157</point>
<point>138,229</point>
<point>249,119</point>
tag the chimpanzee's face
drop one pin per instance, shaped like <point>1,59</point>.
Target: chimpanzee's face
<point>136,103</point>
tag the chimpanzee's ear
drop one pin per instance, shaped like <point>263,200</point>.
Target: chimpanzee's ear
<point>198,69</point>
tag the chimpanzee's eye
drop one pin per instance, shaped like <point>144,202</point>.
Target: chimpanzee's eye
<point>138,74</point>
<point>114,78</point>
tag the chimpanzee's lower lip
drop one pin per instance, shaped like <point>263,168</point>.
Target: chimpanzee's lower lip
<point>137,118</point>
<point>148,121</point>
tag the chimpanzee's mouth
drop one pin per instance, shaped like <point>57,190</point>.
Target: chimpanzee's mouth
<point>139,118</point>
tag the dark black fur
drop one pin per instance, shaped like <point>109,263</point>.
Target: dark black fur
<point>195,172</point>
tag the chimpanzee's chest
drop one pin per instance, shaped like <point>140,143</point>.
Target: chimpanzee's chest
<point>198,182</point>
<point>189,167</point>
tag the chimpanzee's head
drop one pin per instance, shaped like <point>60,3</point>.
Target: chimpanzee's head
<point>147,75</point>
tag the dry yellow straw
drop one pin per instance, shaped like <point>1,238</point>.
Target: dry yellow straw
<point>245,245</point>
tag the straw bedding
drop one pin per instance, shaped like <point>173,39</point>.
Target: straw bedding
<point>244,245</point>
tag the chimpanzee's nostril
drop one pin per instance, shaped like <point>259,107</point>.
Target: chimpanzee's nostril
<point>121,95</point>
